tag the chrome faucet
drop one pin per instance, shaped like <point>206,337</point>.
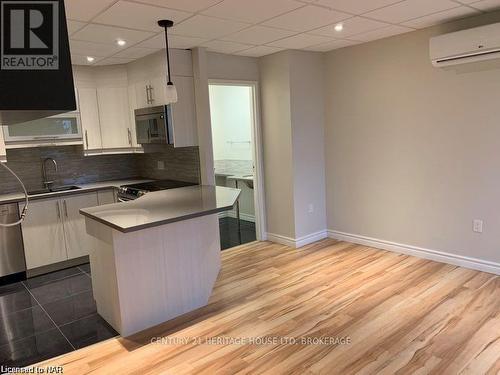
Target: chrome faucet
<point>46,181</point>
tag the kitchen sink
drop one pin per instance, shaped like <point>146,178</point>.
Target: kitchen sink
<point>57,189</point>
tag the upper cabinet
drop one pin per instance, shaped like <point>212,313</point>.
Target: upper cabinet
<point>105,110</point>
<point>184,113</point>
<point>3,152</point>
<point>147,88</point>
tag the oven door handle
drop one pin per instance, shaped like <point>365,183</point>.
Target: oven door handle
<point>121,200</point>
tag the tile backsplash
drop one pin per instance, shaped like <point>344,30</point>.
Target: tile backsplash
<point>74,168</point>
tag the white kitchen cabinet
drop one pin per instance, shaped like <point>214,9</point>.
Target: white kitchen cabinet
<point>43,233</point>
<point>150,92</point>
<point>54,230</point>
<point>114,117</point>
<point>89,113</point>
<point>3,151</point>
<point>184,113</point>
<point>78,242</point>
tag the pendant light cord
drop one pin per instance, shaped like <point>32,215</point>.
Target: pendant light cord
<point>25,209</point>
<point>168,56</point>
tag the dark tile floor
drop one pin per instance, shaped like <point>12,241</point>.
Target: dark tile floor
<point>228,228</point>
<point>49,315</point>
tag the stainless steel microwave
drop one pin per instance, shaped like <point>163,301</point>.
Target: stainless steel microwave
<point>154,125</point>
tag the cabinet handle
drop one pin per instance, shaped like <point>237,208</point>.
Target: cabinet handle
<point>147,95</point>
<point>58,210</point>
<point>87,138</point>
<point>129,136</point>
<point>151,92</point>
<point>65,208</point>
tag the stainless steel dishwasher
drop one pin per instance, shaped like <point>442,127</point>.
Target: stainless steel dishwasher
<point>11,242</point>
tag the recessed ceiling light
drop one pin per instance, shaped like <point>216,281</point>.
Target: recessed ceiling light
<point>339,27</point>
<point>90,59</point>
<point>121,42</point>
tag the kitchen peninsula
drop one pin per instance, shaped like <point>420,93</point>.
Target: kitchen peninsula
<point>156,257</point>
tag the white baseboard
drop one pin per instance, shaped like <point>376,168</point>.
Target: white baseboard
<point>438,256</point>
<point>297,242</point>
<point>243,216</point>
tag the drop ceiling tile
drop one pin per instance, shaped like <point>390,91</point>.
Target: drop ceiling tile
<point>85,10</point>
<point>487,5</point>
<point>187,5</point>
<point>253,11</point>
<point>110,34</point>
<point>441,17</point>
<point>307,18</point>
<point>410,9</point>
<point>175,41</point>
<point>352,26</point>
<point>81,60</point>
<point>135,52</point>
<point>300,41</point>
<point>113,61</point>
<point>334,44</point>
<point>381,33</point>
<point>207,27</point>
<point>74,26</point>
<point>259,51</point>
<point>356,6</point>
<point>259,35</point>
<point>225,47</point>
<point>139,16</point>
<point>84,48</point>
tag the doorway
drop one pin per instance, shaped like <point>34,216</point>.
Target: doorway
<point>237,159</point>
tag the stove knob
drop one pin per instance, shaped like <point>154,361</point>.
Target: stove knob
<point>140,193</point>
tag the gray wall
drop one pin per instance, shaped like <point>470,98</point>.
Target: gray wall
<point>277,141</point>
<point>292,96</point>
<point>413,151</point>
<point>181,164</point>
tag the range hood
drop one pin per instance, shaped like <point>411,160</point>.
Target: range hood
<point>36,78</point>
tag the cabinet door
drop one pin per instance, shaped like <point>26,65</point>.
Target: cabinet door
<point>142,94</point>
<point>132,100</point>
<point>43,233</point>
<point>89,114</point>
<point>3,151</point>
<point>158,91</point>
<point>114,117</point>
<point>184,113</point>
<point>78,242</point>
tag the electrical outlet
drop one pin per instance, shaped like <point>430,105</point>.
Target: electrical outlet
<point>161,165</point>
<point>310,208</point>
<point>477,226</point>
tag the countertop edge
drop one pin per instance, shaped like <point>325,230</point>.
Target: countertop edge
<point>156,223</point>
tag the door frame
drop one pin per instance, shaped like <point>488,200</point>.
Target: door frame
<point>257,151</point>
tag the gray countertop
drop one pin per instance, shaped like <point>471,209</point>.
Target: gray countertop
<point>18,197</point>
<point>164,207</point>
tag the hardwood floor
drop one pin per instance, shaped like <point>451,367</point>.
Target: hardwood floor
<point>398,315</point>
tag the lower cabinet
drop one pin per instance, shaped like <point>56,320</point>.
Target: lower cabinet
<point>54,230</point>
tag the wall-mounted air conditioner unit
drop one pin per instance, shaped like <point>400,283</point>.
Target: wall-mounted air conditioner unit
<point>466,46</point>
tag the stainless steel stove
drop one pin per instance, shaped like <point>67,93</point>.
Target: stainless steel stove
<point>134,191</point>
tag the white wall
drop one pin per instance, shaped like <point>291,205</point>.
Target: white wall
<point>231,115</point>
<point>413,152</point>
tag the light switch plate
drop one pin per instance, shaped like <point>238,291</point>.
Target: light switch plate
<point>161,165</point>
<point>477,226</point>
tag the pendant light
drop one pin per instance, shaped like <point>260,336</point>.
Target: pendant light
<point>171,92</point>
